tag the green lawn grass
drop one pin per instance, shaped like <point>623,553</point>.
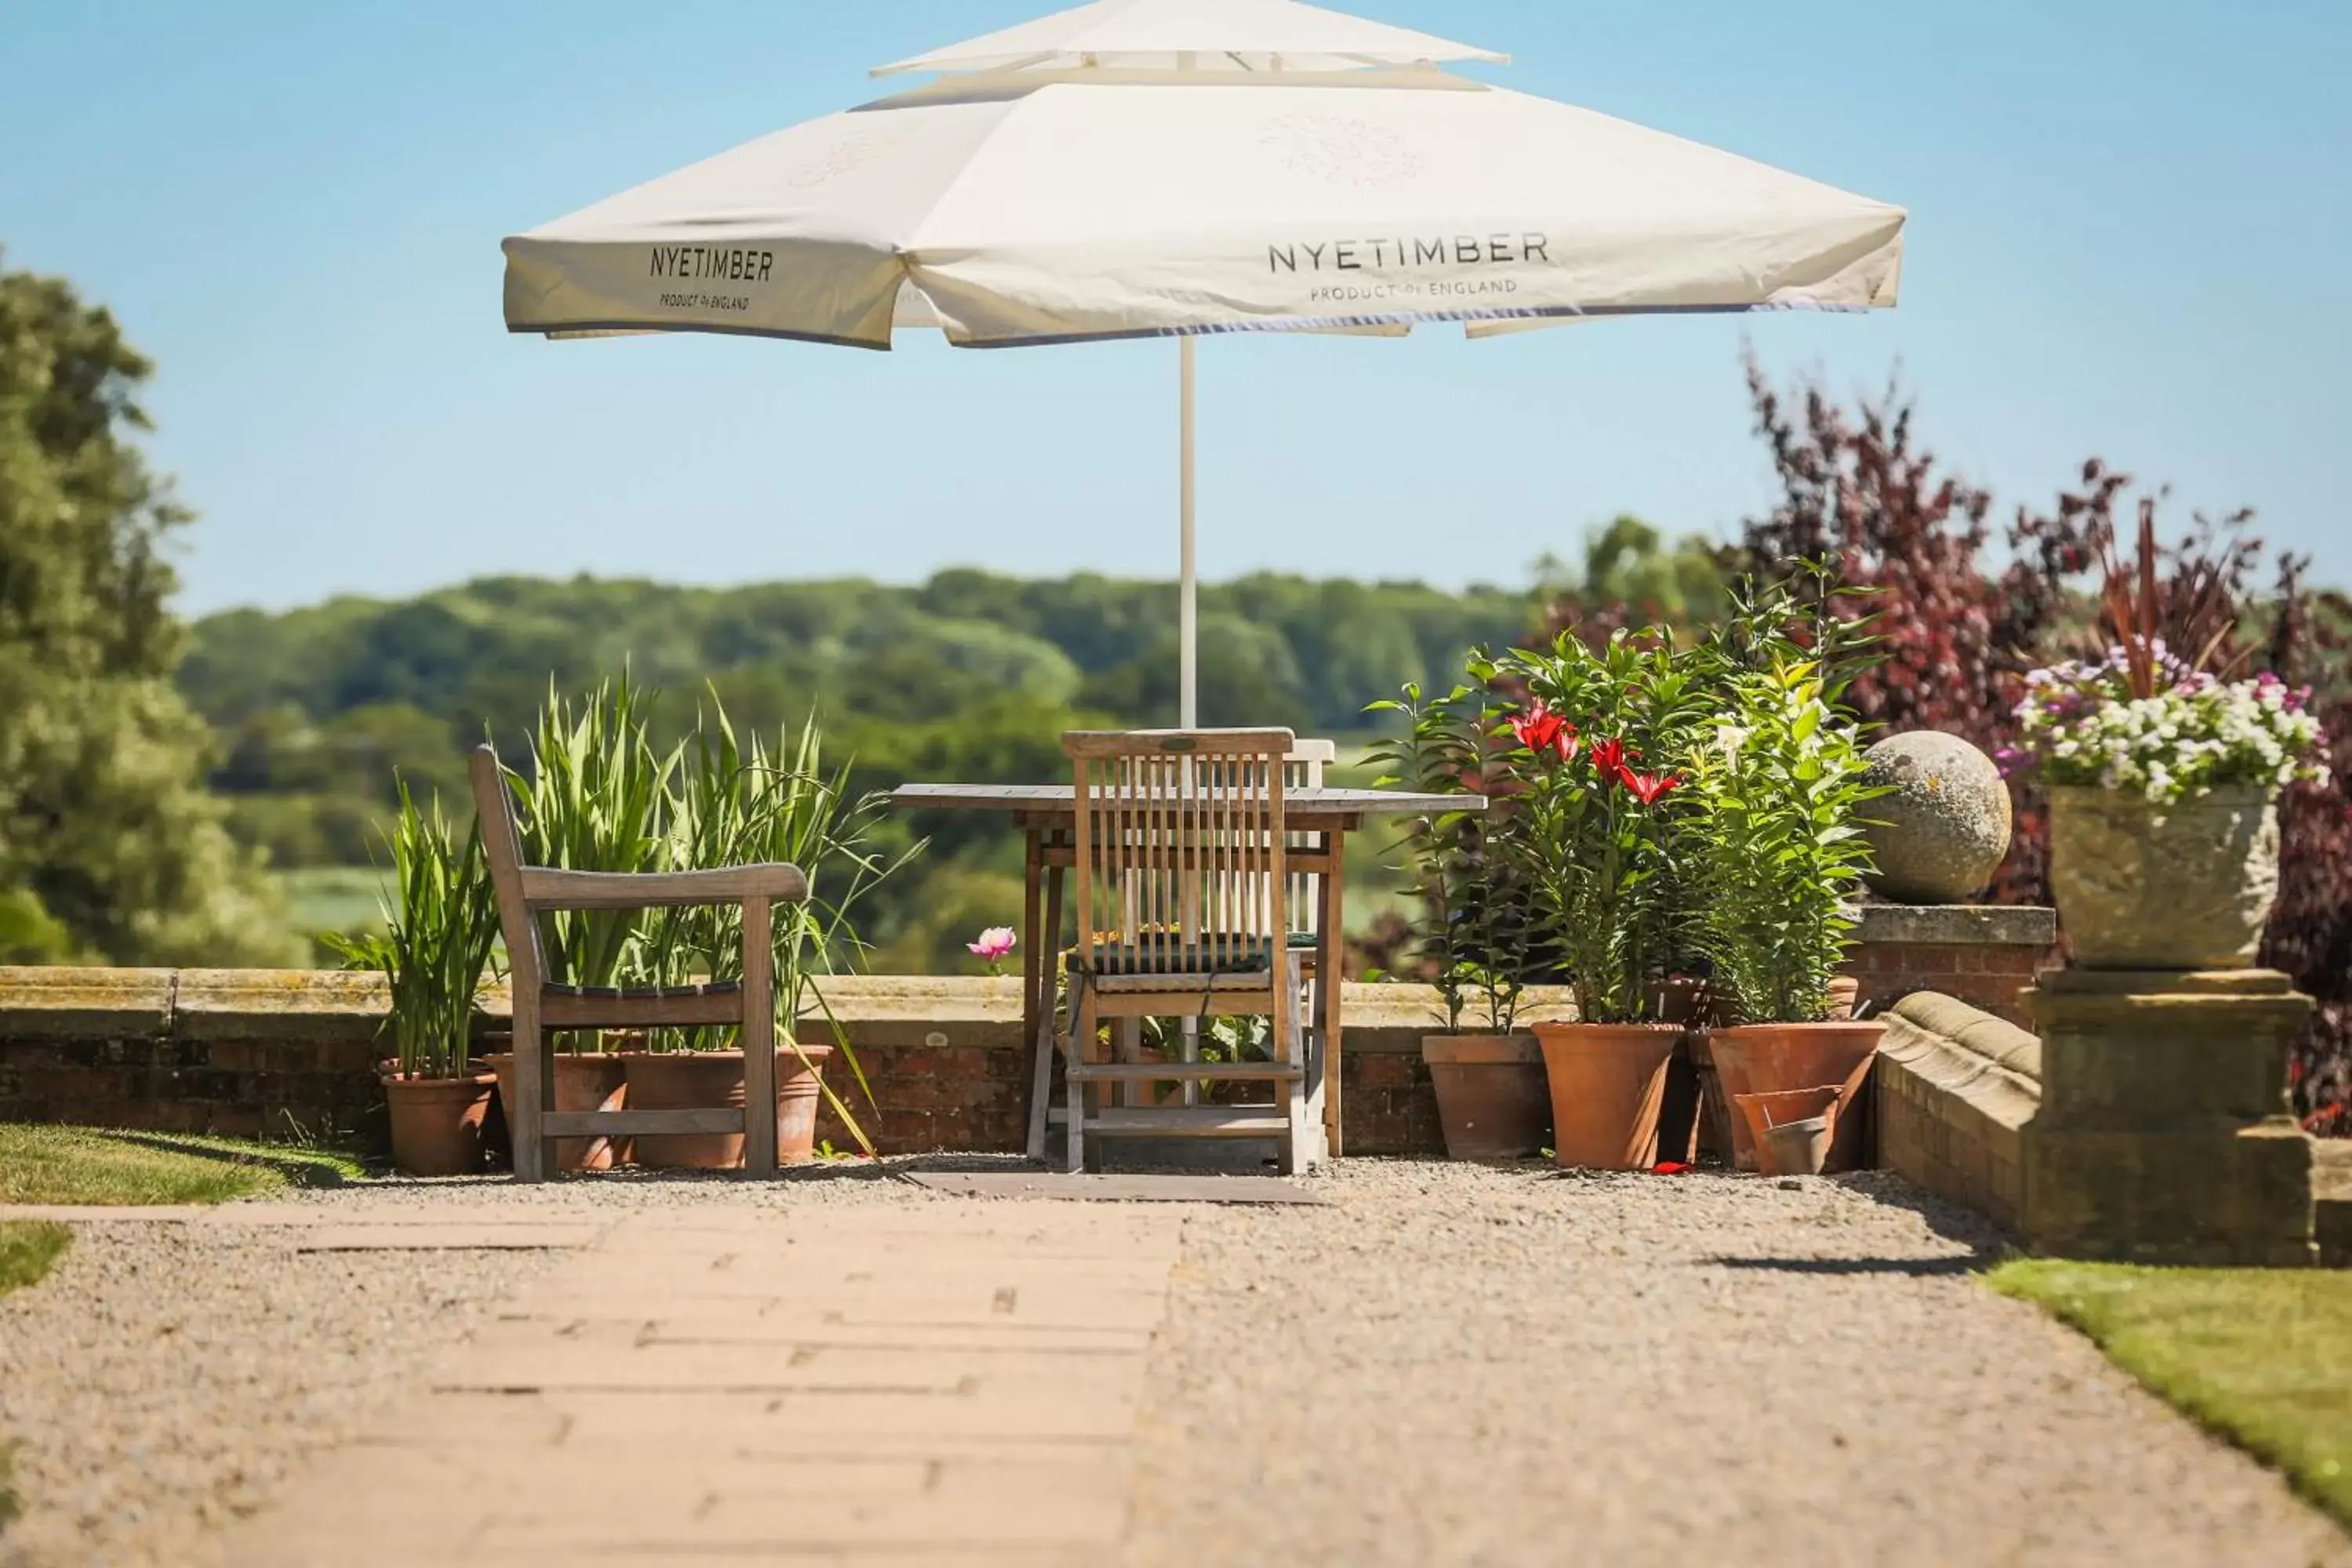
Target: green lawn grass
<point>2262,1357</point>
<point>85,1165</point>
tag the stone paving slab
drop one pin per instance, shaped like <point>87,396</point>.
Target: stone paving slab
<point>942,1383</point>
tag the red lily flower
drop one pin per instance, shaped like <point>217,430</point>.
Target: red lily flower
<point>1567,742</point>
<point>1649,788</point>
<point>1608,759</point>
<point>1538,730</point>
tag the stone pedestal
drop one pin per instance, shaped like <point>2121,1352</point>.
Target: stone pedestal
<point>2163,1134</point>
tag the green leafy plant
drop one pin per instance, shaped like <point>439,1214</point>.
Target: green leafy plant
<point>595,800</point>
<point>737,802</point>
<point>1780,791</point>
<point>441,922</point>
<point>1479,928</point>
<point>1600,752</point>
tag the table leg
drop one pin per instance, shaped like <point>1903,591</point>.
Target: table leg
<point>1329,971</point>
<point>1033,947</point>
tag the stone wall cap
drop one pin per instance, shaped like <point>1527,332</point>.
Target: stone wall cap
<point>51,1002</point>
<point>279,1003</point>
<point>2151,982</point>
<point>1980,1034</point>
<point>1958,925</point>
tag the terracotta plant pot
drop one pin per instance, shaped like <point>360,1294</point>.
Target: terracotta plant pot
<point>436,1123</point>
<point>1492,1099</point>
<point>1681,999</point>
<point>1763,1112</point>
<point>1844,996</point>
<point>800,1092</point>
<point>1774,1058</point>
<point>691,1080</point>
<point>582,1083</point>
<point>2185,886</point>
<point>1608,1082</point>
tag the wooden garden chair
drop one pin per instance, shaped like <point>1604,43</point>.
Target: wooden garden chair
<point>1183,911</point>
<point>541,1009</point>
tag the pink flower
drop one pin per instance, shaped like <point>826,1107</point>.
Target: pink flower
<point>996,944</point>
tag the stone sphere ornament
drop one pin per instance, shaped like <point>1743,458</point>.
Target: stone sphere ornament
<point>1943,830</point>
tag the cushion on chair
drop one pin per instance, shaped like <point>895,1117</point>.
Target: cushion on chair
<point>1208,954</point>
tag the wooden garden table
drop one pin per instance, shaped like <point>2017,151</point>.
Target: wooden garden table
<point>1319,818</point>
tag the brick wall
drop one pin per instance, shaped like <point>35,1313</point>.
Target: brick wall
<point>1984,956</point>
<point>250,1052</point>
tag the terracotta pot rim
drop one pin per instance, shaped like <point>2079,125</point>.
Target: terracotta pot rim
<point>389,1075</point>
<point>730,1055</point>
<point>1518,1048</point>
<point>1595,1031</point>
<point>1836,1025</point>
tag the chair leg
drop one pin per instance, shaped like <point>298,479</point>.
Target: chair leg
<point>759,1039</point>
<point>1041,1074</point>
<point>531,1072</point>
<point>1082,1049</point>
<point>1290,1031</point>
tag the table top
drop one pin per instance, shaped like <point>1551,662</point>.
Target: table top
<point>1303,806</point>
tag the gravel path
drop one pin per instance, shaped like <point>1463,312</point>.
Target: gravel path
<point>1451,1365</point>
<point>1462,1366</point>
<point>165,1377</point>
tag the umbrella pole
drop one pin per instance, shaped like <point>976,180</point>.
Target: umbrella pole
<point>1188,628</point>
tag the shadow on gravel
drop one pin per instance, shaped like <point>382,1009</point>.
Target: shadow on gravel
<point>1911,1267</point>
<point>840,1168</point>
<point>299,1167</point>
<point>1949,1220</point>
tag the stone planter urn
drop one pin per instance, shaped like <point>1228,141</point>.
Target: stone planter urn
<point>2184,886</point>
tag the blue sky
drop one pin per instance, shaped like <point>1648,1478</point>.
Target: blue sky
<point>2129,223</point>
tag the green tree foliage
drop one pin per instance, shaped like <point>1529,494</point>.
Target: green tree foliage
<point>969,675</point>
<point>110,847</point>
<point>1631,576</point>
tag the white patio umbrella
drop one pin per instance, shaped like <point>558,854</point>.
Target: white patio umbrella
<point>1140,168</point>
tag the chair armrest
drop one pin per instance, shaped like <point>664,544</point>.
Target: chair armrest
<point>543,888</point>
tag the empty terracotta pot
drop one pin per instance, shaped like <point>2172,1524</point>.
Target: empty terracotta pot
<point>1774,1058</point>
<point>1799,1148</point>
<point>1764,1112</point>
<point>436,1123</point>
<point>1607,1082</point>
<point>1492,1099</point>
<point>582,1082</point>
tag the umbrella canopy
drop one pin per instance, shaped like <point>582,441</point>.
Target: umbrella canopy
<point>1200,34</point>
<point>1139,168</point>
<point>1030,207</point>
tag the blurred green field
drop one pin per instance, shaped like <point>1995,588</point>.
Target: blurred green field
<point>334,898</point>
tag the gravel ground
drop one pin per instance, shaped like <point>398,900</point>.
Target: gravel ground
<point>1451,1365</point>
<point>163,1377</point>
<point>1464,1365</point>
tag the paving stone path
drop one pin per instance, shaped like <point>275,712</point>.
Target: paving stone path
<point>940,1382</point>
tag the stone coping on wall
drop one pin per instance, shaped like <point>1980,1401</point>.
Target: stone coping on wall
<point>1958,925</point>
<point>59,1002</point>
<point>1953,1089</point>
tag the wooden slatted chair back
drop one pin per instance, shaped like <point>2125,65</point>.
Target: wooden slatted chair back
<point>1302,769</point>
<point>1180,846</point>
<point>502,847</point>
